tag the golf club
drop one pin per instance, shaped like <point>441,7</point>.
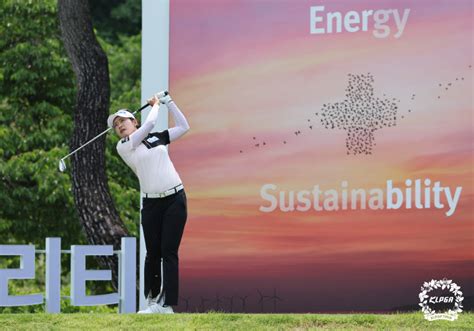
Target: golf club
<point>62,164</point>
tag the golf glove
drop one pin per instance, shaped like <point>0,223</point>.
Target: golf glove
<point>166,99</point>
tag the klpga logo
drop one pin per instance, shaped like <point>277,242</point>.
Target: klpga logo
<point>447,302</point>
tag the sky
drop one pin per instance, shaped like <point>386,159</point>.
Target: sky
<point>248,75</point>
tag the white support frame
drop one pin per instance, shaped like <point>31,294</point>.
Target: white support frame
<point>155,78</point>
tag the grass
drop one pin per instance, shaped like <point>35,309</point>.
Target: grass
<point>220,321</point>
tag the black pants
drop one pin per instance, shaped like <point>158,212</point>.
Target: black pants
<point>163,221</point>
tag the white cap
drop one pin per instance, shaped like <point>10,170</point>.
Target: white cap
<point>120,113</point>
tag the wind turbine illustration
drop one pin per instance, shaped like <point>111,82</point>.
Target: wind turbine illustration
<point>186,300</point>
<point>231,302</point>
<point>203,303</point>
<point>244,301</point>
<point>261,300</point>
<point>274,298</point>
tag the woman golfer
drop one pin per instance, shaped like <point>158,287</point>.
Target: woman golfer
<point>164,209</point>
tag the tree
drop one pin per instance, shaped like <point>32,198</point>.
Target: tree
<point>116,18</point>
<point>36,93</point>
<point>94,204</point>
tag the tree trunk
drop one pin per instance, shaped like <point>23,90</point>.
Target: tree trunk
<point>93,201</point>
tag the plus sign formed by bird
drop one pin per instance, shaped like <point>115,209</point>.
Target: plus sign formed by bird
<point>360,114</point>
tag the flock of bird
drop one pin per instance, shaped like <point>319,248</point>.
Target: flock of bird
<point>360,114</point>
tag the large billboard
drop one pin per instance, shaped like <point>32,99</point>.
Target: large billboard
<point>329,164</point>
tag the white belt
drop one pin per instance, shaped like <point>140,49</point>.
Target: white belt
<point>164,194</point>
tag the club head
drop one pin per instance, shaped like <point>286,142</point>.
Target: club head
<point>62,165</point>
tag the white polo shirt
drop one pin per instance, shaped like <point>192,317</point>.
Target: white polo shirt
<point>150,161</point>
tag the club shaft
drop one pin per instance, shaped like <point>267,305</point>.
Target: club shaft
<point>141,108</point>
<point>101,134</point>
<point>87,143</point>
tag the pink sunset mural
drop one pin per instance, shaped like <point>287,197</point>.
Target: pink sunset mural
<point>257,87</point>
